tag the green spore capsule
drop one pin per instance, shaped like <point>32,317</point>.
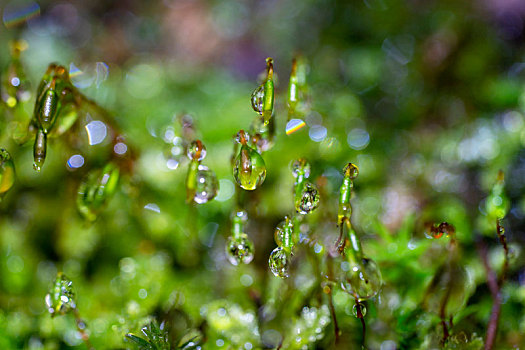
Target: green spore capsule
<point>280,261</point>
<point>39,150</point>
<point>61,298</point>
<point>46,79</point>
<point>7,172</point>
<point>48,107</point>
<point>249,169</point>
<point>206,185</point>
<point>350,173</point>
<point>308,200</point>
<point>239,249</point>
<point>284,232</point>
<point>96,190</point>
<point>293,89</point>
<point>297,89</point>
<point>262,98</point>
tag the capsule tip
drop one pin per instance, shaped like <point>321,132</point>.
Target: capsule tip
<point>351,170</point>
<point>37,164</point>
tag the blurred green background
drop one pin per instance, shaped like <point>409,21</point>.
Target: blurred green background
<point>427,98</point>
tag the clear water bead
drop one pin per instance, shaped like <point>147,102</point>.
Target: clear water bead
<point>249,169</point>
<point>207,185</point>
<point>279,261</point>
<point>309,200</point>
<point>359,310</point>
<point>362,279</point>
<point>239,250</point>
<point>300,165</point>
<point>242,137</point>
<point>196,151</point>
<point>257,99</point>
<point>280,231</point>
<point>241,214</point>
<point>61,298</point>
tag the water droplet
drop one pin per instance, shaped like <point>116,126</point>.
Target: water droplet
<point>249,170</point>
<point>309,200</point>
<point>359,310</point>
<point>351,170</point>
<point>282,230</point>
<point>257,99</point>
<point>196,151</point>
<point>239,250</point>
<point>96,190</point>
<point>7,172</point>
<point>207,185</point>
<point>279,261</point>
<point>241,214</point>
<point>300,166</point>
<point>450,282</point>
<point>61,298</point>
<point>262,98</point>
<point>362,279</point>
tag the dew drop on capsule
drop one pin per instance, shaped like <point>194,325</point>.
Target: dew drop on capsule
<point>249,169</point>
<point>359,308</point>
<point>7,172</point>
<point>207,186</point>
<point>239,250</point>
<point>362,280</point>
<point>196,151</point>
<point>241,214</point>
<point>61,298</point>
<point>279,262</point>
<point>300,165</point>
<point>309,200</point>
<point>257,99</point>
<point>280,231</point>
